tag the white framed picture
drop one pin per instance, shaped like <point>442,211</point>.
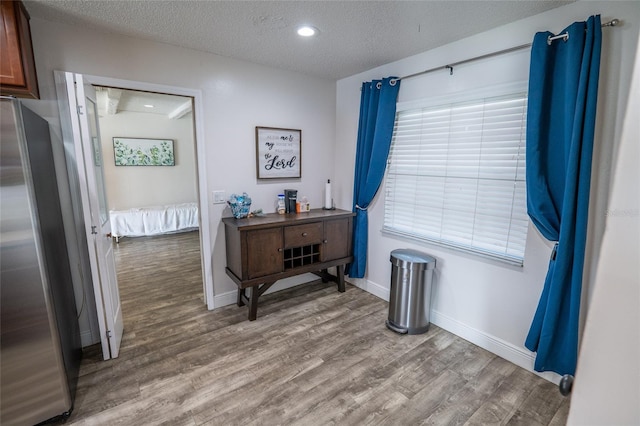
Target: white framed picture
<point>143,152</point>
<point>278,153</point>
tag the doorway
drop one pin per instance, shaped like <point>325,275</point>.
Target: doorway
<point>77,101</point>
<point>200,161</point>
<point>150,171</point>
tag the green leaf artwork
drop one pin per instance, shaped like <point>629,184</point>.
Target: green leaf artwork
<point>143,152</point>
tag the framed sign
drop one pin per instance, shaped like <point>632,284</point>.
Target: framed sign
<point>143,152</point>
<point>278,153</point>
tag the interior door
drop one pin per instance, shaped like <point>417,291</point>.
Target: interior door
<point>84,121</point>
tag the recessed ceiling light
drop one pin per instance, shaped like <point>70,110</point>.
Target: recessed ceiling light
<point>307,31</point>
<point>148,106</point>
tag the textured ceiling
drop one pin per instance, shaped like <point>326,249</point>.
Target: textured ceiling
<point>354,35</point>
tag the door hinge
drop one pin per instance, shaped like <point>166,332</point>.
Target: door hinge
<point>80,110</point>
<point>108,334</point>
<point>93,230</point>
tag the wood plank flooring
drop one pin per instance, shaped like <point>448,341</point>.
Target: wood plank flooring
<point>313,357</point>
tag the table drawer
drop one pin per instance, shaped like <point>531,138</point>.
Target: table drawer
<point>303,235</point>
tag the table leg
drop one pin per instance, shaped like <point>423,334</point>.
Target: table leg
<point>239,302</point>
<point>340,273</point>
<point>253,302</point>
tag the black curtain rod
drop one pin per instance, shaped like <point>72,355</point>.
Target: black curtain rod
<point>611,23</point>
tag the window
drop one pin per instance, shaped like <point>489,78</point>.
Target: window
<point>456,175</point>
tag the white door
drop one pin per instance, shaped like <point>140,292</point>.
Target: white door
<point>84,122</point>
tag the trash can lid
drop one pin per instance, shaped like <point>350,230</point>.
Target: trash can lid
<point>409,258</point>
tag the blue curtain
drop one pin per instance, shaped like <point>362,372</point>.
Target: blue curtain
<point>563,86</point>
<point>375,128</point>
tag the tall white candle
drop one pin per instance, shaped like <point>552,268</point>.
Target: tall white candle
<point>327,195</point>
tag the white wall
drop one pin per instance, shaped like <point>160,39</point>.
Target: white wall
<point>486,302</point>
<point>607,385</point>
<point>142,186</point>
<point>236,97</point>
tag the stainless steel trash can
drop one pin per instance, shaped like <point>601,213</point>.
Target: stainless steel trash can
<point>410,299</point>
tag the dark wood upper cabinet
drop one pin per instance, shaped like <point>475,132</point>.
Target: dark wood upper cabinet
<point>17,65</point>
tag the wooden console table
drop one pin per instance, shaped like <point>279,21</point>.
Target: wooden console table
<point>262,250</point>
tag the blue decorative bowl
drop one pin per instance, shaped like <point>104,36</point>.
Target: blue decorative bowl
<point>240,205</point>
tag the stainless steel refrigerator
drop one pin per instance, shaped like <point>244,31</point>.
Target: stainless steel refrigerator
<point>39,333</point>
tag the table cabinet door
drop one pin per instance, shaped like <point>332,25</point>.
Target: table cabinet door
<point>337,239</point>
<point>264,252</point>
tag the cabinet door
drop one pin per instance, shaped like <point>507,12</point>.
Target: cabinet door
<point>264,252</point>
<point>337,239</point>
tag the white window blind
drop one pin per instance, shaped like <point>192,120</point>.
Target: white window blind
<point>456,176</point>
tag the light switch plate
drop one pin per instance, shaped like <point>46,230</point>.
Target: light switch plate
<point>219,197</point>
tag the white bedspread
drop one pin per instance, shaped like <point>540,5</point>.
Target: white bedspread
<point>154,220</point>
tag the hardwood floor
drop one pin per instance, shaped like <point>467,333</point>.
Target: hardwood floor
<point>314,356</point>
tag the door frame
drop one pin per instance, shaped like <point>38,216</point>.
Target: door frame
<point>198,114</point>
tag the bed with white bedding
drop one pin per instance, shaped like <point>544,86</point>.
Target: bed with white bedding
<point>155,220</point>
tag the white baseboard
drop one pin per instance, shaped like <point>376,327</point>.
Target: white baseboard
<point>512,353</point>
<point>230,297</point>
<point>491,343</point>
<point>371,287</point>
<point>86,339</point>
<point>225,299</point>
